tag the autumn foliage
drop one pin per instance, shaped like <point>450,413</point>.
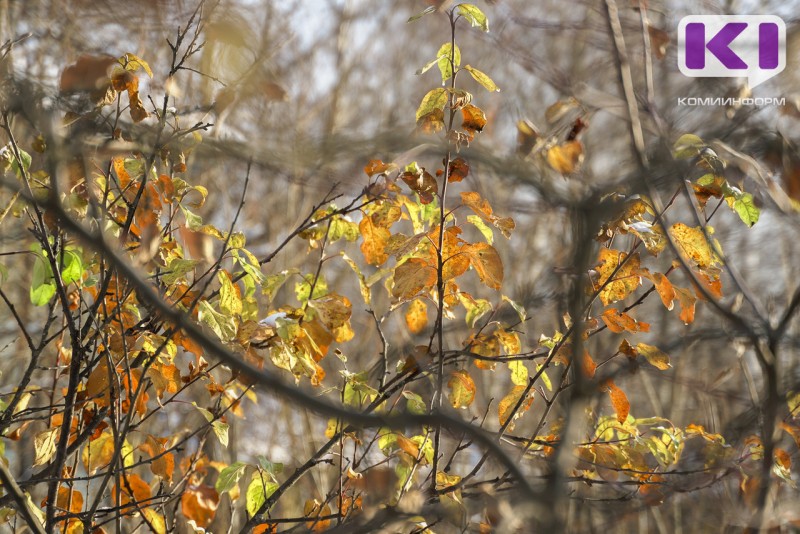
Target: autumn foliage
<point>159,324</point>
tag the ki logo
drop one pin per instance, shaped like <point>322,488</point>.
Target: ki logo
<point>751,46</point>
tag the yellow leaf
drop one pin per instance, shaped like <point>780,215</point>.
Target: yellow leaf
<point>654,356</point>
<point>99,452</point>
<point>417,316</point>
<point>624,281</point>
<point>44,446</point>
<point>462,389</point>
<point>566,158</point>
<point>693,245</point>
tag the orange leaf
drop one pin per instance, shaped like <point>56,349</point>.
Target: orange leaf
<point>474,120</point>
<point>687,301</point>
<point>411,277</point>
<point>375,238</point>
<point>134,490</point>
<point>618,399</point>
<point>199,503</point>
<point>483,209</point>
<point>619,321</point>
<point>505,409</point>
<point>486,262</point>
<point>376,166</point>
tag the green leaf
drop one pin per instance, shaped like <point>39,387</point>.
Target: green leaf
<point>342,228</point>
<point>193,221</point>
<point>744,206</point>
<point>544,378</point>
<point>444,54</point>
<point>42,286</point>
<point>426,11</point>
<point>482,79</point>
<point>273,469</point>
<point>229,476</point>
<point>517,308</point>
<point>221,431</point>
<point>303,289</point>
<point>519,373</point>
<point>427,66</point>
<point>433,100</point>
<point>259,490</point>
<point>26,162</point>
<point>414,403</point>
<point>177,268</point>
<point>688,146</point>
<point>71,266</point>
<point>474,15</point>
<point>3,273</point>
<point>476,308</point>
<point>222,325</point>
<point>273,283</point>
<point>482,228</point>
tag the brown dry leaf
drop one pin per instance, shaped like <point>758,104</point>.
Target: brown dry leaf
<point>421,183</point>
<point>618,399</point>
<point>411,277</point>
<point>566,158</point>
<point>659,41</point>
<point>487,263</point>
<point>375,239</point>
<point>89,73</point>
<point>333,310</point>
<point>459,169</point>
<point>416,316</point>
<point>432,122</point>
